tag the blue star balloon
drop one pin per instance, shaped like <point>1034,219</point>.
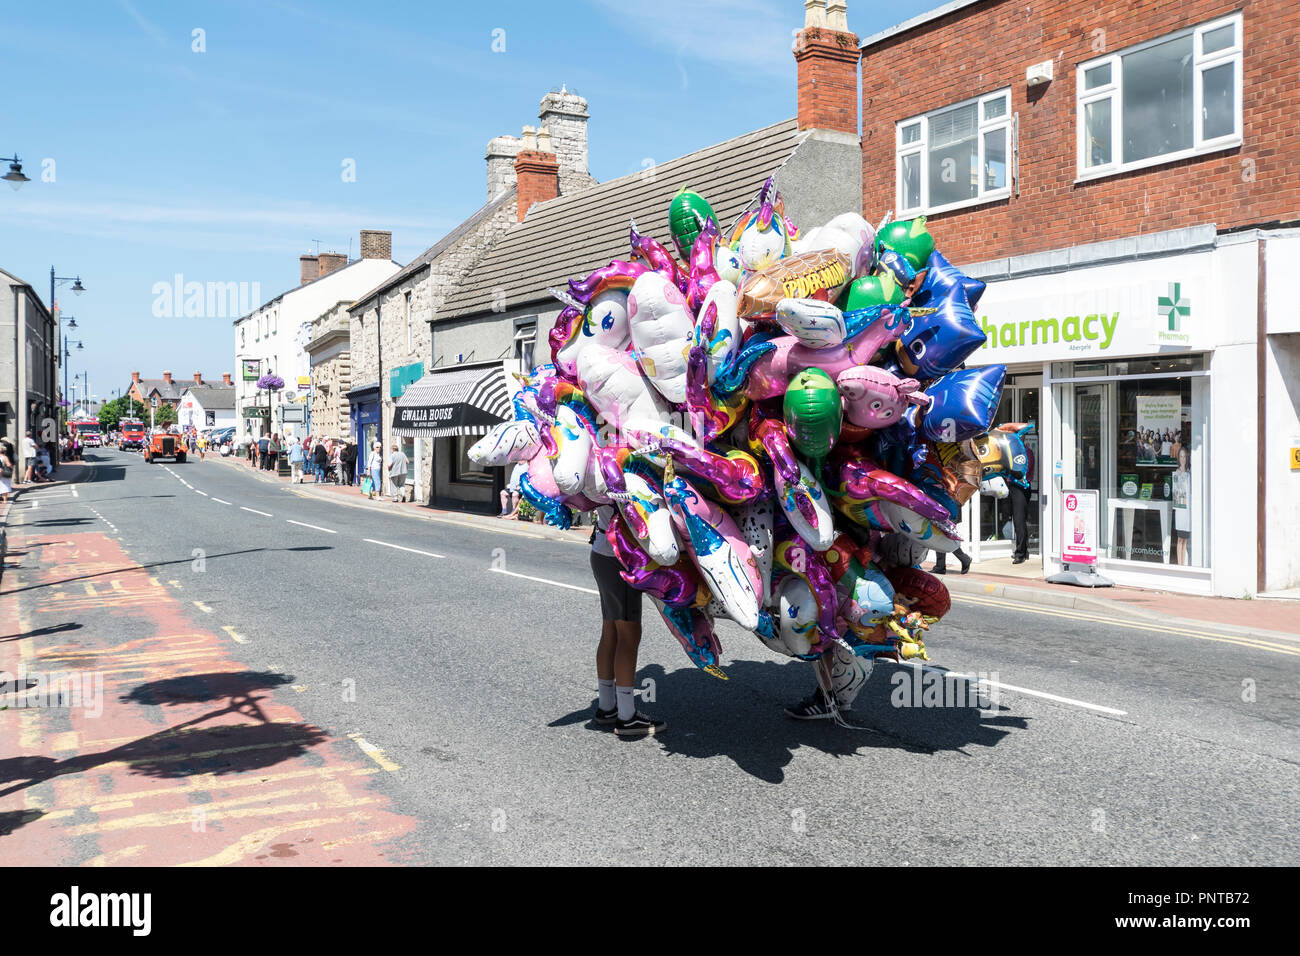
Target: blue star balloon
<point>963,403</point>
<point>941,277</point>
<point>938,338</point>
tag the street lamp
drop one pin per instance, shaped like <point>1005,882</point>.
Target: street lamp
<point>14,177</point>
<point>77,289</point>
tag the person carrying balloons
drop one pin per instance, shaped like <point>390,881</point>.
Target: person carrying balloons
<point>620,639</point>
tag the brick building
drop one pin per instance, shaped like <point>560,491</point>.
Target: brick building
<point>1126,178</point>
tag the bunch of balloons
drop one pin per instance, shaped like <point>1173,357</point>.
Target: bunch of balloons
<point>781,421</point>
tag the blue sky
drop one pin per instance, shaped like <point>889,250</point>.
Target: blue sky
<point>225,165</point>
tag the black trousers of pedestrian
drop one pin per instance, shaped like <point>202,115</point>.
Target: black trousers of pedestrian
<point>1019,522</point>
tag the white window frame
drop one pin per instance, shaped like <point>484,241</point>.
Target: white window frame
<point>921,148</point>
<point>406,308</point>
<point>1114,91</point>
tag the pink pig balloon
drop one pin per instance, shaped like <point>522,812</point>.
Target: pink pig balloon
<point>875,398</point>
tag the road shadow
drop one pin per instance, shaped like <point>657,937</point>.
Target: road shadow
<point>43,631</point>
<point>11,820</point>
<point>186,749</point>
<point>743,719</point>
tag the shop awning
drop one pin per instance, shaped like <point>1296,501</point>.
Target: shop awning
<point>454,401</point>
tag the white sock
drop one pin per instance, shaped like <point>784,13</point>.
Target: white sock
<point>626,703</point>
<point>606,693</point>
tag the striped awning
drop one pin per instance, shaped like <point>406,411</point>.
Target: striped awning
<point>454,401</point>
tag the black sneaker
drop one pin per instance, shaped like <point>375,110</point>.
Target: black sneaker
<point>813,707</point>
<point>639,726</point>
<point>605,717</point>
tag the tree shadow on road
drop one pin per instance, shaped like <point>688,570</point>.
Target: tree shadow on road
<point>185,749</point>
<point>43,631</point>
<point>743,719</point>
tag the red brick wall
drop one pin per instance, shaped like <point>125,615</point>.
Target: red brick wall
<point>828,79</point>
<point>538,176</point>
<point>989,45</point>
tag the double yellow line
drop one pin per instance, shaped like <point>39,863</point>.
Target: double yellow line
<point>1256,643</point>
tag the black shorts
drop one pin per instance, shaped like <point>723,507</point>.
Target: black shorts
<point>1185,535</point>
<point>619,601</point>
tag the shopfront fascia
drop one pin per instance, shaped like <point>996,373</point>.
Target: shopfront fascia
<point>1113,364</point>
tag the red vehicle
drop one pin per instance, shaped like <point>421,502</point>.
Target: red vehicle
<point>132,430</point>
<point>87,430</point>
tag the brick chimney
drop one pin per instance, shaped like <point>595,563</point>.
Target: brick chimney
<point>135,376</point>
<point>564,116</point>
<point>827,57</point>
<point>376,244</point>
<point>167,378</point>
<point>225,378</point>
<point>198,378</point>
<point>308,269</point>
<point>537,171</point>
<point>331,261</point>
<point>500,157</point>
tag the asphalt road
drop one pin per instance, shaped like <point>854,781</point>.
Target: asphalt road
<point>467,659</point>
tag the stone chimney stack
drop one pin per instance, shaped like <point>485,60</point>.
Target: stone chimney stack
<point>501,153</point>
<point>564,116</point>
<point>376,244</point>
<point>167,378</point>
<point>225,378</point>
<point>198,378</point>
<point>537,172</point>
<point>331,261</point>
<point>308,269</point>
<point>827,56</point>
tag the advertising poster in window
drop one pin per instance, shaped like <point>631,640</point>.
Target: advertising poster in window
<point>1159,429</point>
<point>1079,527</point>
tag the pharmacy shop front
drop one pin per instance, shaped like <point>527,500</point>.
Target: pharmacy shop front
<point>1116,368</point>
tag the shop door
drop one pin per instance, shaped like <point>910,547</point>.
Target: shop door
<point>1021,400</point>
<point>1091,441</point>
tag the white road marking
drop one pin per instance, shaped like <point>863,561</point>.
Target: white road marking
<point>314,527</point>
<point>221,501</point>
<point>74,491</point>
<point>427,554</point>
<point>203,607</point>
<point>256,512</point>
<point>1019,690</point>
<point>374,753</point>
<point>203,493</point>
<point>237,638</point>
<point>558,584</point>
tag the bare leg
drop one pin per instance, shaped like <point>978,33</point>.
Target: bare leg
<point>629,642</point>
<point>605,651</point>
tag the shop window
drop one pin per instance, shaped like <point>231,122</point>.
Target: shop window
<point>464,470</point>
<point>1139,435</point>
<point>1173,97</point>
<point>956,156</point>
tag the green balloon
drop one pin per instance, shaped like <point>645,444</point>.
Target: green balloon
<point>910,239</point>
<point>867,291</point>
<point>813,412</point>
<point>686,214</point>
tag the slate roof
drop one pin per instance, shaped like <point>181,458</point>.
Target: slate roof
<point>214,397</point>
<point>573,235</point>
<point>169,393</point>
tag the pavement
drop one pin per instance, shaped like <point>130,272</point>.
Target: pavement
<point>278,678</point>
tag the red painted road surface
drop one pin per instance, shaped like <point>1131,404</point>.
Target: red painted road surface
<point>195,759</point>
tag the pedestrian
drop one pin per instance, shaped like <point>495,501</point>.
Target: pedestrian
<point>203,446</point>
<point>29,456</point>
<point>295,462</point>
<point>510,493</point>
<point>262,445</point>
<point>348,463</point>
<point>397,463</point>
<point>1018,486</point>
<point>273,451</point>
<point>941,561</point>
<point>6,471</point>
<point>336,462</point>
<point>320,458</point>
<point>620,639</point>
<point>375,469</point>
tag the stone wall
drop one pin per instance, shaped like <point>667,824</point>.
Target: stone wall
<point>331,375</point>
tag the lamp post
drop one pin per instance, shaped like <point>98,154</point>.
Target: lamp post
<point>77,289</point>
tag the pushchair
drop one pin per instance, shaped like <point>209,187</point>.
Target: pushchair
<point>330,475</point>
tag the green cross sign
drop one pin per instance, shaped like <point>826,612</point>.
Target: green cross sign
<point>1174,306</point>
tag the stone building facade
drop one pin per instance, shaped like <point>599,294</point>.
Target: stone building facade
<point>331,371</point>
